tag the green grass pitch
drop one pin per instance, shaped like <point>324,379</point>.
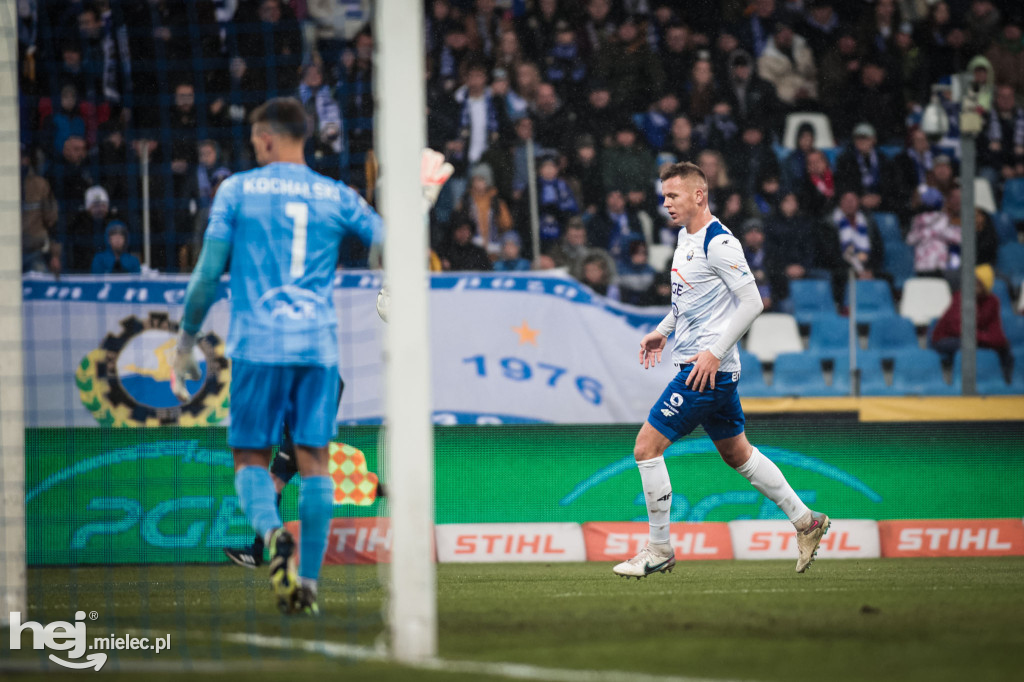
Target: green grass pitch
<point>908,620</point>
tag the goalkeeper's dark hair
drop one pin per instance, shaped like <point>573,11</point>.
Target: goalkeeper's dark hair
<point>284,116</point>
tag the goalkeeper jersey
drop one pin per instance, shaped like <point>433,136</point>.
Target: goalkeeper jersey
<point>706,267</point>
<point>285,224</point>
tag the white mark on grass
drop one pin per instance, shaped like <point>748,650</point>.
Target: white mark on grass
<point>769,590</point>
<point>516,671</point>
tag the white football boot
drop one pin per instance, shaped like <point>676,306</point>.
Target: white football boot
<point>808,539</point>
<point>654,558</point>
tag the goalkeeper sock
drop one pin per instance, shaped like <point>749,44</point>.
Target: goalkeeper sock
<point>658,494</point>
<point>256,493</point>
<point>316,507</point>
<point>769,481</point>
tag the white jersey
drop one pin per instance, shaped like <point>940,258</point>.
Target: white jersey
<point>706,268</point>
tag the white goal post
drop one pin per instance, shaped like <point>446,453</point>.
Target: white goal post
<point>12,419</point>
<point>400,138</point>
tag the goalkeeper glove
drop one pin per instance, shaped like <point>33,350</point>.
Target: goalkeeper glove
<point>183,366</point>
<point>383,302</point>
<point>434,172</point>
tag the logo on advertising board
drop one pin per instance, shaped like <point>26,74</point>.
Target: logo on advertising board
<point>126,381</point>
<point>846,539</point>
<point>484,542</point>
<point>691,541</point>
<point>353,540</point>
<point>697,510</point>
<point>71,638</point>
<point>952,537</point>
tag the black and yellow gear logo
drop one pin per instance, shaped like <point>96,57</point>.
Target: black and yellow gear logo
<point>121,394</point>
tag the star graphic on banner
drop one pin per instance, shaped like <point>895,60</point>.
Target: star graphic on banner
<point>526,335</point>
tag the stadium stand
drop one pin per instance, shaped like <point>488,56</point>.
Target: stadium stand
<point>772,334</point>
<point>990,379</point>
<point>919,372</point>
<point>1013,199</point>
<point>874,300</point>
<point>811,298</point>
<point>753,384</point>
<point>924,299</point>
<point>890,335</point>
<point>1005,227</point>
<point>830,336</point>
<point>800,374</point>
<point>1010,263</point>
<point>823,137</point>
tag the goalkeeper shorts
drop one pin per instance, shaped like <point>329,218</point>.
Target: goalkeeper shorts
<point>266,397</point>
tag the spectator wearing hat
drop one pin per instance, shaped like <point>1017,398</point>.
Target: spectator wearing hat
<point>510,258</point>
<point>115,259</point>
<point>501,89</point>
<point>788,64</point>
<point>945,336</point>
<point>487,211</point>
<point>584,174</point>
<point>1007,54</point>
<point>932,235</point>
<point>748,95</point>
<point>86,234</point>
<point>865,170</point>
<point>564,66</point>
<point>820,27</point>
<point>459,252</point>
<point>794,166</point>
<point>630,66</point>
<point>627,165</point>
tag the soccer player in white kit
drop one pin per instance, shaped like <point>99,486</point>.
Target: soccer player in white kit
<point>714,301</point>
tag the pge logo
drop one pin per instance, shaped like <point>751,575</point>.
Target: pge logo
<point>126,381</point>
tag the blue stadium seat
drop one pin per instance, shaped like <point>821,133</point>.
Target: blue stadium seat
<point>919,372</point>
<point>899,262</point>
<point>889,227</point>
<point>830,336</point>
<point>752,384</point>
<point>1005,228</point>
<point>1013,199</point>
<point>874,300</point>
<point>1017,379</point>
<point>889,335</point>
<point>800,374</point>
<point>1002,291</point>
<point>1010,262</point>
<point>1013,327</point>
<point>812,298</point>
<point>872,379</point>
<point>989,378</point>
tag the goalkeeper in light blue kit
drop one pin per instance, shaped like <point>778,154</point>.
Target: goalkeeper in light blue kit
<point>281,227</point>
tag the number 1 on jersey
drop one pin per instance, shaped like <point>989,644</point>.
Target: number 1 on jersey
<point>299,213</point>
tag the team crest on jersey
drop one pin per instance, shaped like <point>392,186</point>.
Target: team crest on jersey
<point>127,380</point>
<point>689,256</point>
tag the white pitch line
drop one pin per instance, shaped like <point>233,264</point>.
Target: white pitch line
<point>769,590</point>
<point>516,671</point>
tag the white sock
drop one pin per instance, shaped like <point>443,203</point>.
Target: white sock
<point>769,481</point>
<point>658,494</point>
<point>310,584</point>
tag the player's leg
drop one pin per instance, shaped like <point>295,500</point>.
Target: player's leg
<point>726,430</point>
<point>257,416</point>
<point>315,403</point>
<point>676,414</point>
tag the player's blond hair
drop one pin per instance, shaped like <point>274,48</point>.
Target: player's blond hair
<point>684,171</point>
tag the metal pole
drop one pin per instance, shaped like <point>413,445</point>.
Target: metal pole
<point>531,186</point>
<point>854,372</point>
<point>968,303</point>
<point>144,147</point>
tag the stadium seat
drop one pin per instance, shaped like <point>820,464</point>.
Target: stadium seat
<point>919,372</point>
<point>1013,199</point>
<point>1017,379</point>
<point>771,334</point>
<point>659,256</point>
<point>899,263</point>
<point>983,196</point>
<point>1013,327</point>
<point>752,383</point>
<point>890,335</point>
<point>872,378</point>
<point>800,374</point>
<point>811,298</point>
<point>989,373</point>
<point>1010,263</point>
<point>889,228</point>
<point>820,122</point>
<point>1002,291</point>
<point>874,300</point>
<point>924,299</point>
<point>830,336</point>
<point>1005,228</point>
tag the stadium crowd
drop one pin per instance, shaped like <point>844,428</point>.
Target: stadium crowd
<point>605,92</point>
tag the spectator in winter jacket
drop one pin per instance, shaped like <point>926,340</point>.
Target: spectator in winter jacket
<point>932,235</point>
<point>115,259</point>
<point>946,335</point>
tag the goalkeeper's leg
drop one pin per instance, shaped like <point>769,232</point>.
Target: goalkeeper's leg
<point>316,509</point>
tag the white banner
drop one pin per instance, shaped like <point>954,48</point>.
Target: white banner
<point>846,539</point>
<point>488,542</point>
<point>505,349</point>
